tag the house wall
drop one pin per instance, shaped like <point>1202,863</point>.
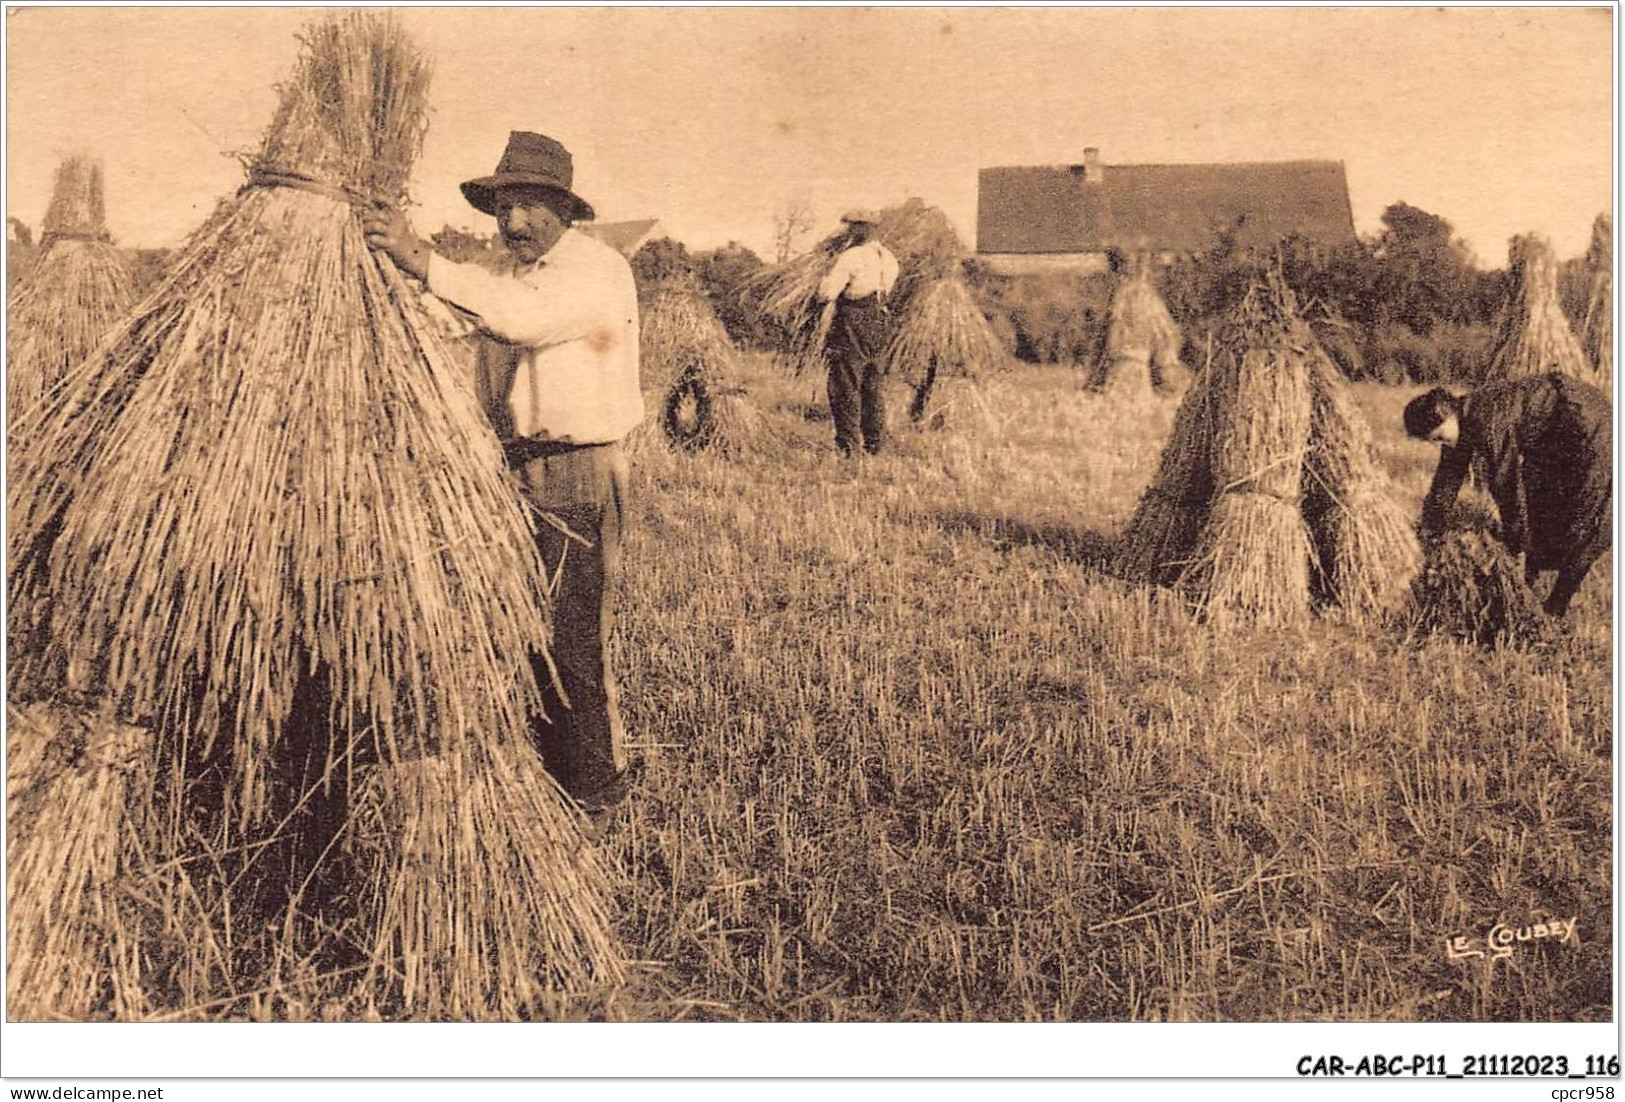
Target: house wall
<point>1040,263</point>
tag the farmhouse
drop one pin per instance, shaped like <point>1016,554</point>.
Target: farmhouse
<point>1040,217</point>
<point>624,237</point>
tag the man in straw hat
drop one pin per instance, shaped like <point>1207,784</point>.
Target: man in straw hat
<point>558,376</point>
<point>856,287</point>
<point>1546,447</point>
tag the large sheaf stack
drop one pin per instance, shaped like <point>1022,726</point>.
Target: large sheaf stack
<point>1597,334</point>
<point>1268,501</point>
<point>1142,341</point>
<point>266,524</point>
<point>938,330</point>
<point>687,355</point>
<point>78,288</point>
<point>1535,336</point>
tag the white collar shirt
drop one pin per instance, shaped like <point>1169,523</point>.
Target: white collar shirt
<point>559,361</point>
<point>860,271</point>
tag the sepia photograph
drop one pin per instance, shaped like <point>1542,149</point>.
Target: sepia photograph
<point>623,516</point>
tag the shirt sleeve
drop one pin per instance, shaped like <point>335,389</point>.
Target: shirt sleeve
<point>839,275</point>
<point>1503,467</point>
<point>888,270</point>
<point>548,307</point>
<point>1447,480</point>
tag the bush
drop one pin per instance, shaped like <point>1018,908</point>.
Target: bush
<point>1050,318</point>
<point>1451,353</point>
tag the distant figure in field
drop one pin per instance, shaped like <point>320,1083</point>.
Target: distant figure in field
<point>1546,447</point>
<point>857,284</point>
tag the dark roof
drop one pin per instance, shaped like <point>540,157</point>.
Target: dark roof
<point>1170,208</point>
<point>624,237</point>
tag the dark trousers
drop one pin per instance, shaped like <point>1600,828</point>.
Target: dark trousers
<point>581,739</point>
<point>856,350</point>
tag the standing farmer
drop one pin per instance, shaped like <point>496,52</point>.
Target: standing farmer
<point>856,287</point>
<point>1546,447</point>
<point>558,376</point>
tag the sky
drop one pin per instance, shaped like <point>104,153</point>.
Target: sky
<point>715,119</point>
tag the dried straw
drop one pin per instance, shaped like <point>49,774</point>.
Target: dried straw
<point>1535,336</point>
<point>927,250</point>
<point>76,291</point>
<point>1142,340</point>
<point>1597,332</point>
<point>1472,590</point>
<point>275,467</point>
<point>78,201</point>
<point>941,332</point>
<point>71,936</point>
<point>481,895</point>
<point>1366,549</point>
<point>1160,540</point>
<point>680,333</point>
<point>787,295</point>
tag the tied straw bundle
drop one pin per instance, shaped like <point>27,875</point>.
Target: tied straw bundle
<point>1253,558</point>
<point>1268,483</point>
<point>1597,332</point>
<point>1366,553</point>
<point>1472,590</point>
<point>941,332</point>
<point>1142,341</point>
<point>271,484</point>
<point>1160,540</point>
<point>77,290</point>
<point>1535,336</point>
<point>688,354</point>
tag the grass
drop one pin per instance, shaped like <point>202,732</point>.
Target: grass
<point>912,754</point>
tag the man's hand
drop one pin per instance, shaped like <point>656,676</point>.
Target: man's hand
<point>388,231</point>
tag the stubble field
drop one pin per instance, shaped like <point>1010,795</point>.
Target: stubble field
<point>911,752</point>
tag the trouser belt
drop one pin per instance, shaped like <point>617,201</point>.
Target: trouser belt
<point>524,449</point>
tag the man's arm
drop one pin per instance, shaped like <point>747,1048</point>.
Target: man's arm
<point>1504,469</point>
<point>1447,480</point>
<point>835,281</point>
<point>548,308</point>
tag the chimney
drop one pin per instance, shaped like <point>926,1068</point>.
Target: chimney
<point>1093,171</point>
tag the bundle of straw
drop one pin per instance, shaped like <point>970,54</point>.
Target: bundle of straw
<point>79,790</point>
<point>1142,340</point>
<point>941,332</point>
<point>689,354</point>
<point>1597,332</point>
<point>1472,590</point>
<point>1535,336</point>
<point>275,460</point>
<point>1160,540</point>
<point>926,247</point>
<point>1269,470</point>
<point>680,333</point>
<point>76,291</point>
<point>469,917</point>
<point>1253,560</point>
<point>787,295</point>
<point>273,470</point>
<point>1366,549</point>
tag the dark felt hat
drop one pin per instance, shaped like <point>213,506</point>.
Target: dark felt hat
<point>531,160</point>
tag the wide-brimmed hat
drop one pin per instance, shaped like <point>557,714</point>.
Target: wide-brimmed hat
<point>861,215</point>
<point>531,160</point>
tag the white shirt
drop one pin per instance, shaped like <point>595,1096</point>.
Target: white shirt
<point>860,271</point>
<point>564,362</point>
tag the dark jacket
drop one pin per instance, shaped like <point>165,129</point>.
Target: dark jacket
<point>1544,446</point>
